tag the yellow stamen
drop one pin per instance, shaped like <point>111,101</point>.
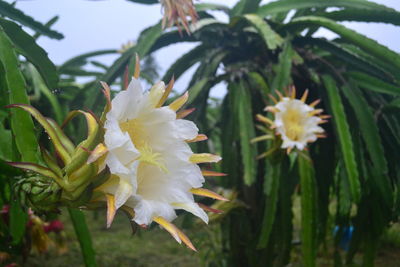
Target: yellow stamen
<point>294,128</point>
<point>148,156</point>
<point>179,102</point>
<point>198,138</point>
<point>111,210</point>
<point>207,193</point>
<point>204,158</point>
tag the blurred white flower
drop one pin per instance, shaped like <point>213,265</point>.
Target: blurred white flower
<point>296,122</point>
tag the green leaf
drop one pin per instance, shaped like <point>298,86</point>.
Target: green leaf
<point>229,139</point>
<point>371,83</point>
<point>18,221</point>
<point>283,70</point>
<point>206,72</point>
<point>28,47</point>
<point>83,236</point>
<point>5,138</point>
<point>13,13</point>
<point>369,128</point>
<point>272,177</point>
<point>39,84</point>
<point>21,123</point>
<point>113,72</point>
<point>258,83</point>
<point>196,89</point>
<point>247,133</point>
<point>271,38</point>
<point>145,2</point>
<point>308,211</point>
<point>182,64</point>
<point>365,43</point>
<point>211,6</point>
<point>244,6</point>
<point>343,135</point>
<point>48,25</point>
<point>395,103</point>
<point>81,59</point>
<point>373,15</point>
<point>346,55</point>
<point>390,69</point>
<point>147,39</point>
<point>287,5</point>
<point>169,38</point>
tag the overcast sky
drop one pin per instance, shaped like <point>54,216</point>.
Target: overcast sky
<point>94,25</point>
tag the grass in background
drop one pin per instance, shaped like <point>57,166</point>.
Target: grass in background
<point>155,247</point>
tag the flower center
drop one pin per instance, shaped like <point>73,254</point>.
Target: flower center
<point>292,120</point>
<point>138,136</point>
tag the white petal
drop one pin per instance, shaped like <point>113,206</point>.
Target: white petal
<point>125,103</point>
<point>185,130</point>
<point>157,116</point>
<point>123,192</point>
<point>192,208</point>
<point>146,210</point>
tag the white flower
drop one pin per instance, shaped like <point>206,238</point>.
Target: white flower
<point>296,122</point>
<point>154,171</point>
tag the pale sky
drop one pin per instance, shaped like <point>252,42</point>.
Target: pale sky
<point>107,24</point>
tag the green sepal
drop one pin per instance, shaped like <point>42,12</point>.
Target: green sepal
<point>50,162</point>
<point>61,150</point>
<point>69,146</point>
<point>82,151</point>
<point>37,169</point>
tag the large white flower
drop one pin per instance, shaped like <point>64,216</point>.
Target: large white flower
<point>296,122</point>
<point>153,169</point>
